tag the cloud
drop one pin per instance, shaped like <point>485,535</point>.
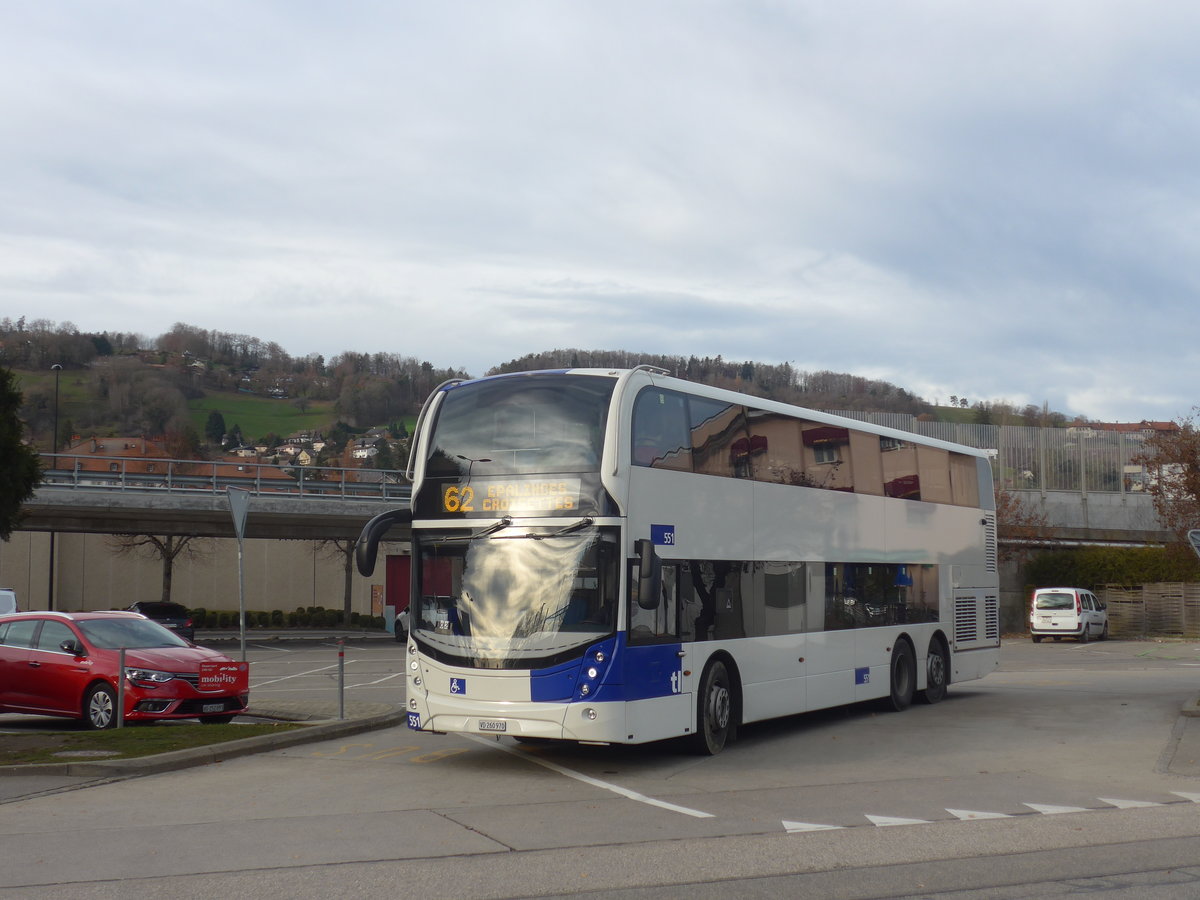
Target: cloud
<point>996,201</point>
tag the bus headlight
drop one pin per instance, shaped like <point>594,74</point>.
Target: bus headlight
<point>589,713</point>
<point>585,689</point>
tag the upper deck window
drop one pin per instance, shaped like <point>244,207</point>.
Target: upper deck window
<point>671,430</point>
<point>522,424</point>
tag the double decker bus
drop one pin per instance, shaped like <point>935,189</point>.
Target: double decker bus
<point>623,557</point>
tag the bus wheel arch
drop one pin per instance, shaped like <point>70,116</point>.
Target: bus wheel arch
<point>718,705</point>
<point>902,675</point>
<point>937,670</point>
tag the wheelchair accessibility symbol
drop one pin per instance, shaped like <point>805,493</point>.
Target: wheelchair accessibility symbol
<point>458,685</point>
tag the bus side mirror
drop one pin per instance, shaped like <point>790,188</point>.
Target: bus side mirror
<point>649,585</point>
<point>368,542</point>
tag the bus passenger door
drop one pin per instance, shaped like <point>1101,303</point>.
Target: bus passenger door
<point>659,701</point>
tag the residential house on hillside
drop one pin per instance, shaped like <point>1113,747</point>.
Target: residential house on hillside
<point>117,455</point>
<point>261,476</point>
<point>365,448</point>
<point>303,438</point>
<point>1144,429</point>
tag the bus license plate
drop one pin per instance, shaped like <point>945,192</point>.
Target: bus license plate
<point>212,707</point>
<point>492,725</point>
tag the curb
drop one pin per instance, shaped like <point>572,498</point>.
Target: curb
<point>198,756</point>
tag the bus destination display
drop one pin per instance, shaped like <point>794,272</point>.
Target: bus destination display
<point>508,497</point>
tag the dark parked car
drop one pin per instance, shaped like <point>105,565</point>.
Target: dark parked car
<point>169,615</point>
<point>68,664</point>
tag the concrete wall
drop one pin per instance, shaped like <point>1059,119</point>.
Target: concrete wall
<point>89,575</point>
<point>1095,514</point>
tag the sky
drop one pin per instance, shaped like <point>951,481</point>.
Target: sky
<point>997,201</point>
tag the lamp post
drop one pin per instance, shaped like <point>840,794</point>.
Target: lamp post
<point>56,369</point>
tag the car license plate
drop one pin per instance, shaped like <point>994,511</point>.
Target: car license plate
<point>492,725</point>
<point>212,707</point>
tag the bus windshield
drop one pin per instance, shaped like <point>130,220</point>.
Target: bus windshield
<point>521,424</point>
<point>519,597</point>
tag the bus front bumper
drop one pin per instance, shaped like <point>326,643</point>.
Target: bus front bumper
<point>594,722</point>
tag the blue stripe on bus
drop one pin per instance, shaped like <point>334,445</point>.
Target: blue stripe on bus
<point>626,673</point>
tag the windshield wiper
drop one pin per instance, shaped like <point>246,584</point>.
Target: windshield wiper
<point>490,530</point>
<point>585,522</point>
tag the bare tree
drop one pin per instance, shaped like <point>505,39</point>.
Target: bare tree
<point>1019,527</point>
<point>334,548</point>
<point>167,548</point>
<point>1173,460</point>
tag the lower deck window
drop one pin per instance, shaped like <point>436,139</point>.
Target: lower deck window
<point>722,599</point>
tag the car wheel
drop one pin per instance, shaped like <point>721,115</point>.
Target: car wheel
<point>714,717</point>
<point>1058,637</point>
<point>904,676</point>
<point>937,673</point>
<point>99,707</point>
<point>216,720</point>
<point>1037,638</point>
<point>1084,634</point>
<point>1104,633</point>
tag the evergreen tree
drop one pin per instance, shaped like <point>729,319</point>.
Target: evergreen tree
<point>214,428</point>
<point>20,467</point>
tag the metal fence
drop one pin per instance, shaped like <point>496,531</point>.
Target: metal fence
<point>84,472</point>
<point>1077,459</point>
<point>1166,610</point>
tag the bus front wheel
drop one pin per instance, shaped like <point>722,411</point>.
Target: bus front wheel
<point>714,716</point>
<point>904,676</point>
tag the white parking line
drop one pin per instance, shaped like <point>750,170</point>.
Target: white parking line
<point>296,675</point>
<point>594,782</point>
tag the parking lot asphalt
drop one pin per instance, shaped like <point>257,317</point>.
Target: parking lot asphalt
<point>325,721</point>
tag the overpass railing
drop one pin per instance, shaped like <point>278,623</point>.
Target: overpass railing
<point>84,472</point>
<point>1078,459</point>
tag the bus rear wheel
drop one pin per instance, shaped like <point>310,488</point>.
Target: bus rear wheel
<point>937,673</point>
<point>714,714</point>
<point>904,676</point>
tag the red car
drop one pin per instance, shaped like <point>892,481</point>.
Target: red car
<point>66,664</point>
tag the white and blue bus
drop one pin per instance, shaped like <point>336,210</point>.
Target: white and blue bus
<point>623,556</point>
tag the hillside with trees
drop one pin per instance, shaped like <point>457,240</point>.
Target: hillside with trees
<point>199,391</point>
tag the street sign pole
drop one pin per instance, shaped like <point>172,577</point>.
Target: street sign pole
<point>239,504</point>
<point>1194,540</point>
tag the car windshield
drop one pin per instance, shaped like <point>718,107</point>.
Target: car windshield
<point>516,597</point>
<point>1055,601</point>
<point>113,634</point>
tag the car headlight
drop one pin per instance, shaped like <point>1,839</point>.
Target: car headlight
<point>148,677</point>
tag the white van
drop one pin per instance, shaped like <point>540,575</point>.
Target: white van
<point>1067,612</point>
<point>8,601</point>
